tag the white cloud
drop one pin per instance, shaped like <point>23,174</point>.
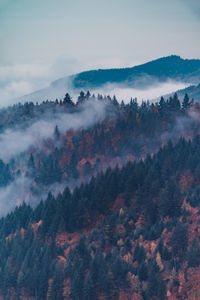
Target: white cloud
<point>151,93</point>
<point>15,142</point>
<point>20,79</point>
<point>15,89</point>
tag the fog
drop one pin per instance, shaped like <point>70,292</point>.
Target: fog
<point>14,194</point>
<point>148,90</point>
<point>152,92</point>
<point>14,142</point>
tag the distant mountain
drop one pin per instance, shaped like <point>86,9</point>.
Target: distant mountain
<point>56,90</point>
<point>167,68</point>
<point>171,68</point>
<point>192,91</point>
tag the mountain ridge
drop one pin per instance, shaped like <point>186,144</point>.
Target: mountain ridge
<point>142,76</point>
<point>159,68</point>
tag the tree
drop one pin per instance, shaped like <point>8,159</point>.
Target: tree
<point>194,254</point>
<point>139,253</point>
<point>88,95</point>
<point>174,103</point>
<point>77,283</point>
<point>57,285</point>
<point>179,238</point>
<point>162,104</point>
<point>89,288</point>
<point>186,102</point>
<point>81,98</point>
<point>119,270</point>
<point>156,285</point>
<point>169,202</point>
<point>67,101</point>
<point>115,102</point>
<point>31,162</point>
<point>56,133</point>
<point>87,169</point>
<point>143,272</point>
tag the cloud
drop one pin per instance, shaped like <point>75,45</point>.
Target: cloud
<point>15,142</point>
<point>13,90</point>
<point>19,79</point>
<point>151,93</point>
<point>19,191</point>
<point>14,194</point>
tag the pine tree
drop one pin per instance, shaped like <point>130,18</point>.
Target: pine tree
<point>186,102</point>
<point>56,133</point>
<point>194,255</point>
<point>88,288</point>
<point>57,285</point>
<point>67,101</point>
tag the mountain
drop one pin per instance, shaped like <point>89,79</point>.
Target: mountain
<point>192,91</point>
<point>124,223</point>
<point>162,69</point>
<point>171,68</point>
<point>100,199</point>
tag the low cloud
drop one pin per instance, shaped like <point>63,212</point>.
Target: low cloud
<point>17,80</point>
<point>13,90</point>
<point>14,194</point>
<point>151,93</point>
<point>15,142</point>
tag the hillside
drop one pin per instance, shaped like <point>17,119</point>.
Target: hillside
<point>193,91</point>
<point>77,141</point>
<point>172,68</point>
<point>124,223</point>
<point>162,69</point>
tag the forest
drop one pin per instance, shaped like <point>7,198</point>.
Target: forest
<point>126,223</point>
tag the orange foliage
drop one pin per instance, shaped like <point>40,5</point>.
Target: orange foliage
<point>67,289</point>
<point>141,221</point>
<point>192,286</point>
<point>61,260</point>
<point>136,297</point>
<point>49,288</point>
<point>65,159</point>
<point>36,225</point>
<point>10,236</point>
<point>186,181</point>
<point>120,230</point>
<point>22,232</point>
<point>119,202</point>
<point>69,238</point>
<point>123,296</point>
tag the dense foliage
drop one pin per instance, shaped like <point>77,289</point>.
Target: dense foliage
<point>126,232</point>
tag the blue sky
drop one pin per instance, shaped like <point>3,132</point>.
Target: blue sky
<point>41,40</point>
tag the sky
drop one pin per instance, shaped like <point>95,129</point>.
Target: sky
<point>42,40</point>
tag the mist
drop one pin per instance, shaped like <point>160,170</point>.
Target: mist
<point>19,79</point>
<point>14,142</point>
<point>145,91</point>
<point>19,191</point>
<point>15,194</point>
<point>152,92</point>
